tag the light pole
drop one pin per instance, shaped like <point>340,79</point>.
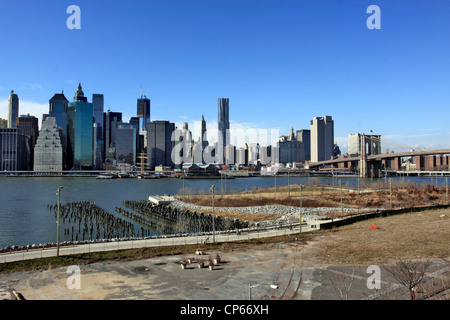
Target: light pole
<point>342,204</point>
<point>446,190</point>
<point>214,233</point>
<point>301,208</point>
<point>57,222</point>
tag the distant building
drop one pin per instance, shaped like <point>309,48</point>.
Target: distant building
<point>3,123</point>
<point>143,112</point>
<point>224,128</point>
<point>242,156</point>
<point>48,151</point>
<point>160,144</point>
<point>304,136</point>
<point>99,150</point>
<point>58,106</point>
<point>111,122</point>
<point>29,126</point>
<point>14,150</point>
<point>290,149</point>
<point>126,144</point>
<point>80,132</point>
<point>13,109</point>
<point>322,138</point>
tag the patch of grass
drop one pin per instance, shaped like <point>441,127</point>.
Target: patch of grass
<point>406,236</point>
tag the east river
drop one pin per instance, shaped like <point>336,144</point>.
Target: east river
<point>25,218</point>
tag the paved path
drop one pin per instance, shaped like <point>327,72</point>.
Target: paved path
<point>154,242</point>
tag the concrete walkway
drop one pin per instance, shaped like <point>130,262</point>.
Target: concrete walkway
<point>157,242</point>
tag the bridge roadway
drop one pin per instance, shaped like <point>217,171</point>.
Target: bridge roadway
<point>383,156</point>
<point>159,241</point>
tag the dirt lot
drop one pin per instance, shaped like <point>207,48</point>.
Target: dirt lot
<point>315,269</point>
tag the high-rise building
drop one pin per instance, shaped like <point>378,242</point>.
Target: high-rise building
<point>143,111</point>
<point>160,144</point>
<point>29,126</point>
<point>112,121</point>
<point>126,143</point>
<point>290,149</point>
<point>13,109</point>
<point>80,132</point>
<point>322,138</point>
<point>304,136</point>
<point>58,106</point>
<point>224,127</point>
<point>48,151</point>
<point>99,149</point>
<point>14,150</point>
<point>242,156</point>
<point>139,140</point>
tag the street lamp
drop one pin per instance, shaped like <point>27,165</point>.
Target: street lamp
<point>251,286</point>
<point>57,221</point>
<point>214,233</point>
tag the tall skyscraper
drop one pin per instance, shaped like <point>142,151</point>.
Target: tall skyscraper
<point>304,136</point>
<point>48,152</point>
<point>80,132</point>
<point>143,111</point>
<point>126,143</point>
<point>224,127</point>
<point>29,126</point>
<point>322,138</point>
<point>13,109</point>
<point>58,106</point>
<point>160,144</point>
<point>99,149</point>
<point>14,150</point>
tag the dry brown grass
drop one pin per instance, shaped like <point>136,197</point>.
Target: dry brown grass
<point>406,236</point>
<point>319,196</point>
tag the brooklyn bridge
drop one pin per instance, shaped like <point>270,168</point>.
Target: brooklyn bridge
<point>376,165</point>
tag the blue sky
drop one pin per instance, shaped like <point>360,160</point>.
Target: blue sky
<point>281,63</point>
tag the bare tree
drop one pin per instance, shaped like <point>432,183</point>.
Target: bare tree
<point>409,274</point>
<point>342,283</point>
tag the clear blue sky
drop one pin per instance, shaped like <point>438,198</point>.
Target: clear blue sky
<point>281,62</point>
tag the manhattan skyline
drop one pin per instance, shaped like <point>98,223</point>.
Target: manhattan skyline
<point>281,63</point>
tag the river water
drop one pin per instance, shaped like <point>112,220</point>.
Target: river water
<point>25,218</point>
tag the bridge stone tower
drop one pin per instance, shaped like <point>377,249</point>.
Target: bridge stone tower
<point>369,145</point>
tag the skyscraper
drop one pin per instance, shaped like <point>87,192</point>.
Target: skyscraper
<point>290,149</point>
<point>126,143</point>
<point>160,144</point>
<point>322,138</point>
<point>80,132</point>
<point>224,127</point>
<point>29,126</point>
<point>143,111</point>
<point>48,152</point>
<point>13,109</point>
<point>14,150</point>
<point>99,149</point>
<point>304,136</point>
<point>58,106</point>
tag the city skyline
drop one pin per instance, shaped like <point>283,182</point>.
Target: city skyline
<point>280,64</point>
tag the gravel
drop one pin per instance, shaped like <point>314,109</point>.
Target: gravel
<point>286,213</point>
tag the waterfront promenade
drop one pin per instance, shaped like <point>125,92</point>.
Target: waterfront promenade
<point>170,240</point>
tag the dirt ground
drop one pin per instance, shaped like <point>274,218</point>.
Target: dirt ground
<point>323,268</point>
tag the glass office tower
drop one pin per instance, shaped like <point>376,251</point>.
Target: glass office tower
<point>80,132</point>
